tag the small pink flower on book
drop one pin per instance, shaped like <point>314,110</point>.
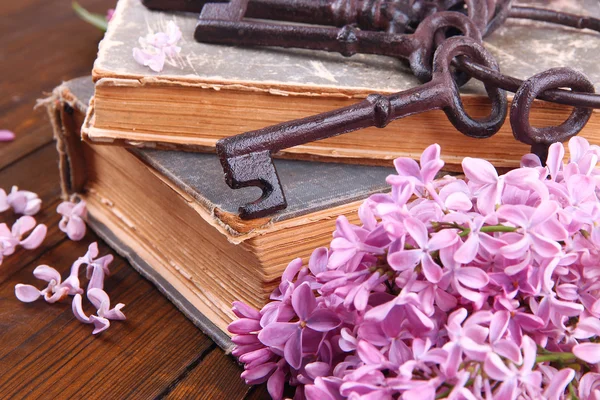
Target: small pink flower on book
<point>6,135</point>
<point>21,201</point>
<point>155,47</point>
<point>72,222</point>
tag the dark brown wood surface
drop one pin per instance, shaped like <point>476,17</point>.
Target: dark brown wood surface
<point>44,351</point>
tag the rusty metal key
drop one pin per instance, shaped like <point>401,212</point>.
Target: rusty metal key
<point>246,158</point>
<point>224,23</point>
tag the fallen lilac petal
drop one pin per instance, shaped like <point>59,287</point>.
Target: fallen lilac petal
<point>91,254</point>
<point>101,263</point>
<point>99,298</point>
<point>97,278</point>
<point>35,238</point>
<point>4,205</point>
<point>6,135</point>
<point>78,309</point>
<point>100,324</point>
<point>22,226</point>
<point>72,284</point>
<point>47,273</point>
<point>57,294</point>
<point>72,222</point>
<point>27,293</point>
<point>24,202</point>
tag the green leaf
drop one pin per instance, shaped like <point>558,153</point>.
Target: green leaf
<point>99,21</point>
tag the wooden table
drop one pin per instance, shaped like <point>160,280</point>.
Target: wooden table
<point>44,351</point>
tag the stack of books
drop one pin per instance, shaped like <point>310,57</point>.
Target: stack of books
<point>172,216</point>
<point>164,205</point>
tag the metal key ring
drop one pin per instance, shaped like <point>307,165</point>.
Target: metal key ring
<point>425,43</point>
<point>454,108</point>
<point>551,79</point>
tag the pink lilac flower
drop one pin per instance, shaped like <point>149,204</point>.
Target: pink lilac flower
<point>72,221</point>
<point>109,14</point>
<point>477,288</point>
<point>101,301</point>
<point>18,236</point>
<point>589,386</point>
<point>21,201</point>
<point>6,135</point>
<point>55,291</point>
<point>513,377</point>
<point>58,290</point>
<point>155,48</point>
<point>290,335</point>
<point>484,182</point>
<point>425,245</point>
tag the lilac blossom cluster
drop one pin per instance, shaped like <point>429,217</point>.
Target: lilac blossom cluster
<point>478,288</point>
<point>57,289</point>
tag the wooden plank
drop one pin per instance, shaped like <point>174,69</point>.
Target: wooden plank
<point>47,353</point>
<point>37,172</point>
<point>32,131</point>
<point>217,377</point>
<point>258,393</point>
<point>43,52</point>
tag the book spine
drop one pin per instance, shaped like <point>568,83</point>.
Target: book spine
<point>67,111</point>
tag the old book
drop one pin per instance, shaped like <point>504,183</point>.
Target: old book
<point>172,216</point>
<point>212,91</point>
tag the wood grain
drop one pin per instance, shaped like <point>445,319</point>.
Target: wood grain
<point>217,377</point>
<point>42,43</point>
<point>45,351</point>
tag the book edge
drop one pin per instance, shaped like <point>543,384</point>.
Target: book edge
<point>182,304</point>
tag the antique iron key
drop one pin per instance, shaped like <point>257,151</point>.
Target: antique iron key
<point>246,158</point>
<point>224,24</point>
